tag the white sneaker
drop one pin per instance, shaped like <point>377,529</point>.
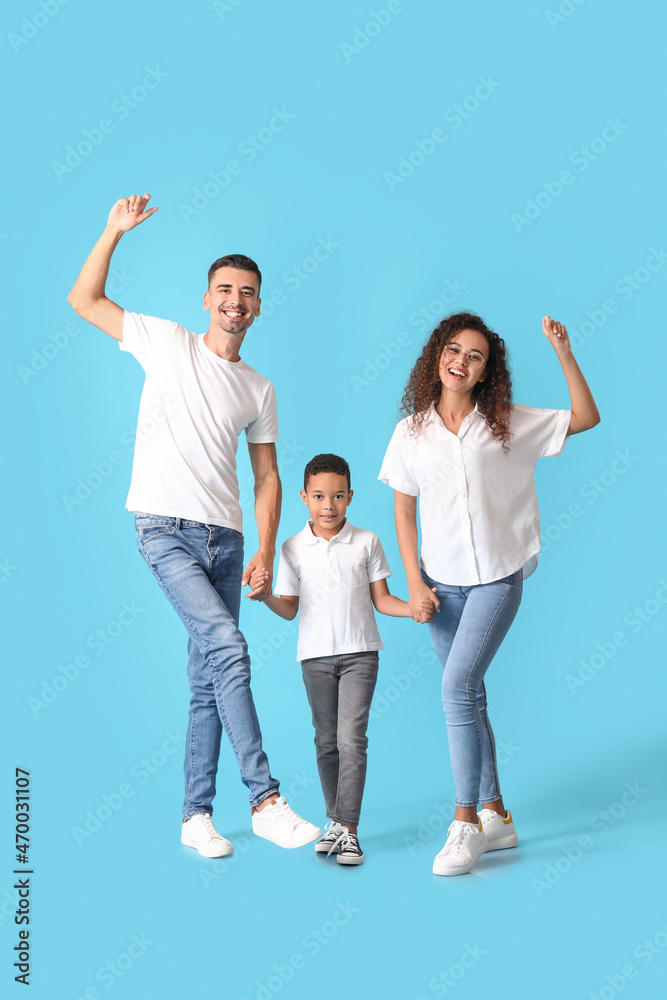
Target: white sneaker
<point>330,838</point>
<point>500,833</point>
<point>199,832</point>
<point>465,842</point>
<point>279,823</point>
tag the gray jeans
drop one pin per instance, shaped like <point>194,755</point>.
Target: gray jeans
<point>340,690</point>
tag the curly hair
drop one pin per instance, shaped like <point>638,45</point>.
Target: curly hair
<point>493,396</point>
<point>326,463</point>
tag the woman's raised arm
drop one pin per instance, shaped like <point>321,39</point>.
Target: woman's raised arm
<point>584,411</point>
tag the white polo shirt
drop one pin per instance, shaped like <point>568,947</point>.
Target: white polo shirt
<point>332,581</point>
<point>194,405</point>
<point>477,504</point>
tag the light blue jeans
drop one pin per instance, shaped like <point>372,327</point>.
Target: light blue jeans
<point>467,633</point>
<point>199,568</point>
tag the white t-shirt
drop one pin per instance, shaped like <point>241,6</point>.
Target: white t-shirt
<point>477,504</point>
<point>332,581</point>
<point>193,407</point>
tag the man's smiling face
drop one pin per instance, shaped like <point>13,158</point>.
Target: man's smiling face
<point>233,299</point>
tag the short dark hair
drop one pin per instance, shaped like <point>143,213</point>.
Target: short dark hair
<point>237,260</point>
<point>326,463</point>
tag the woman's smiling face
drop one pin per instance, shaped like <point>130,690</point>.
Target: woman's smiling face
<point>456,372</point>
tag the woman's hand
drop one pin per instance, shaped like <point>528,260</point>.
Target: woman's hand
<point>557,335</point>
<point>423,603</point>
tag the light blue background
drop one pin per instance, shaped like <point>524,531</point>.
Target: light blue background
<point>221,929</point>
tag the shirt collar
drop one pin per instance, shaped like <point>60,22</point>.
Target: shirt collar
<point>344,535</point>
<point>432,416</point>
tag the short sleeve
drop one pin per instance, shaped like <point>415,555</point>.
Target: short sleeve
<point>143,336</point>
<point>552,430</point>
<point>395,471</point>
<point>287,581</point>
<point>264,428</point>
<point>378,567</point>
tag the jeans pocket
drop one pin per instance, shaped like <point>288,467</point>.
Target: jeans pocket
<point>147,532</point>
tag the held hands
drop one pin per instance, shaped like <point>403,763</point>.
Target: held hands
<point>258,578</point>
<point>557,335</point>
<point>130,212</point>
<point>423,604</point>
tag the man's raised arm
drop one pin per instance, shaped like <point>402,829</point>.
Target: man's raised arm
<point>88,296</point>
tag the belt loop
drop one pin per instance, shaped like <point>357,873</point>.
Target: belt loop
<point>178,524</point>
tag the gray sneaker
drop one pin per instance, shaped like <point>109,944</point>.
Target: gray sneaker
<point>349,851</point>
<point>328,842</point>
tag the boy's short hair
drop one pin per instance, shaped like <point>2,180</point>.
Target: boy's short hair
<point>238,261</point>
<point>326,463</point>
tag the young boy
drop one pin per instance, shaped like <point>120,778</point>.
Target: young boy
<point>331,572</point>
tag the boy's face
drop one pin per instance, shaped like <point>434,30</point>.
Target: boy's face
<point>327,498</point>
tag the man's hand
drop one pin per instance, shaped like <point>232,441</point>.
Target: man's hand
<point>259,574</point>
<point>557,335</point>
<point>130,212</point>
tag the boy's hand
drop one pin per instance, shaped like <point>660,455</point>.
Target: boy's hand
<point>256,583</point>
<point>128,213</point>
<point>426,611</point>
<point>423,603</point>
<point>557,335</point>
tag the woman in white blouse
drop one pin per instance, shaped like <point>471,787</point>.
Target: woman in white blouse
<point>469,454</point>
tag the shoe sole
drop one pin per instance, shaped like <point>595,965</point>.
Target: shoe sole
<point>342,860</point>
<point>225,852</point>
<point>324,849</point>
<point>289,847</point>
<point>459,870</point>
<point>502,843</point>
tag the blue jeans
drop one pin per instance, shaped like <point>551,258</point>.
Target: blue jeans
<point>467,633</point>
<point>199,568</point>
<point>340,690</point>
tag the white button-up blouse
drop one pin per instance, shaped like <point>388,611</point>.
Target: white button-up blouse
<point>477,503</point>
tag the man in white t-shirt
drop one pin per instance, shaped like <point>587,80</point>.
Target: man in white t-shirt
<point>198,397</point>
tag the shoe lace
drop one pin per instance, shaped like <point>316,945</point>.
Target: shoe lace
<point>207,823</point>
<point>344,840</point>
<point>456,839</point>
<point>284,813</point>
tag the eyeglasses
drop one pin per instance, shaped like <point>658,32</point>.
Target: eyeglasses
<point>474,358</point>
